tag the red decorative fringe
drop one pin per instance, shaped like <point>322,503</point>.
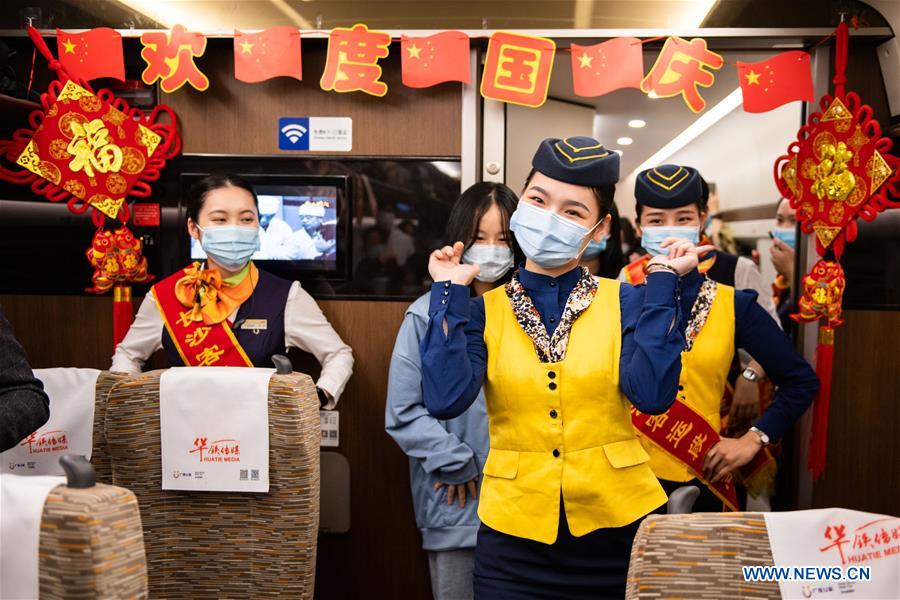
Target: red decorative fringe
<point>123,312</point>
<point>818,441</point>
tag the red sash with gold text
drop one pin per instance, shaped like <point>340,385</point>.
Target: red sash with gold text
<point>198,344</point>
<point>686,436</point>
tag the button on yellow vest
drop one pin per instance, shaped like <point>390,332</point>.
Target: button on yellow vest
<point>561,428</point>
<point>704,372</point>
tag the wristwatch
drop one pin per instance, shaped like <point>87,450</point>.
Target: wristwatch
<point>750,375</point>
<point>762,436</point>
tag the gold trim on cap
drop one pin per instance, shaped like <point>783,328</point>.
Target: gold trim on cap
<point>577,158</point>
<point>671,186</point>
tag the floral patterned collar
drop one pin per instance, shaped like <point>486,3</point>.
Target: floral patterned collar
<point>700,311</point>
<point>550,349</point>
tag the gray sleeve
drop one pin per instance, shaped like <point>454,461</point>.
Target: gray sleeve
<point>747,277</point>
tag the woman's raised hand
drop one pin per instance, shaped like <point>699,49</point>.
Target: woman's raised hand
<point>683,255</point>
<point>444,265</point>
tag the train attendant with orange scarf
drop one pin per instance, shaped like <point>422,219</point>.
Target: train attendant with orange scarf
<point>226,312</point>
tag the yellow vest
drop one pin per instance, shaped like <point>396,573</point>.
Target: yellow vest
<point>704,372</point>
<point>572,408</point>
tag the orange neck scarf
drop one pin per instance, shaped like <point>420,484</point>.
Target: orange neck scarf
<point>210,299</point>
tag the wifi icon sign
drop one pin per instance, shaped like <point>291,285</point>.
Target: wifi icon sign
<point>293,133</point>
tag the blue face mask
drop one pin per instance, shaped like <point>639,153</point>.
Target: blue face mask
<point>545,237</point>
<point>229,245</point>
<point>594,248</point>
<point>788,236</point>
<point>653,237</point>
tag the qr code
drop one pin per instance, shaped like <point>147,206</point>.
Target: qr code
<point>243,474</point>
<point>254,474</point>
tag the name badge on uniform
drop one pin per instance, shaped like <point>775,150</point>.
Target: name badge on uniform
<point>256,325</point>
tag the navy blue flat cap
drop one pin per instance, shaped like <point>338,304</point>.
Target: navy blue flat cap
<point>577,160</point>
<point>668,186</point>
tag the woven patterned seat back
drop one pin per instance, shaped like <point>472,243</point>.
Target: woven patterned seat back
<point>223,544</point>
<point>99,452</point>
<point>699,556</point>
<point>91,545</point>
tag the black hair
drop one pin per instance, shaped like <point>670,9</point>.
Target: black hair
<point>462,224</point>
<point>197,194</point>
<point>611,259</point>
<point>701,203</point>
<point>604,194</point>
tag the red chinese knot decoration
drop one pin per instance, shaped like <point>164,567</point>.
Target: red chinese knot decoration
<point>117,261</point>
<point>89,149</point>
<point>839,169</point>
<point>92,150</point>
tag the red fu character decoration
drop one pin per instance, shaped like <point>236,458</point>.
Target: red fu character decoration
<point>92,150</point>
<point>839,169</point>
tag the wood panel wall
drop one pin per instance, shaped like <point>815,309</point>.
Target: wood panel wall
<point>862,469</point>
<point>233,117</point>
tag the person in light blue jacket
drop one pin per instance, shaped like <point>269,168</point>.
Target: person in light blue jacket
<point>446,457</point>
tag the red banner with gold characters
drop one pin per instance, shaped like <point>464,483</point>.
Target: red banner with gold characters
<point>839,169</point>
<point>198,344</point>
<point>686,436</point>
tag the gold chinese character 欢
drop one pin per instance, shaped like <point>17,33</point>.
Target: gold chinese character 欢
<point>92,149</point>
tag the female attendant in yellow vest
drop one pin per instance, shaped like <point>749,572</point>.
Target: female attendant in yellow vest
<point>560,354</point>
<point>227,312</point>
<point>684,444</point>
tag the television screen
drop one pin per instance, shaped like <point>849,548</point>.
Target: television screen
<point>301,224</point>
<point>296,223</point>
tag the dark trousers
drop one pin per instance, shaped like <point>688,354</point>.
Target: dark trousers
<point>573,568</point>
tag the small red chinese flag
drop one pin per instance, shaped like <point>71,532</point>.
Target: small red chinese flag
<point>271,53</point>
<point>769,84</point>
<point>92,54</point>
<point>435,59</point>
<point>603,68</point>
